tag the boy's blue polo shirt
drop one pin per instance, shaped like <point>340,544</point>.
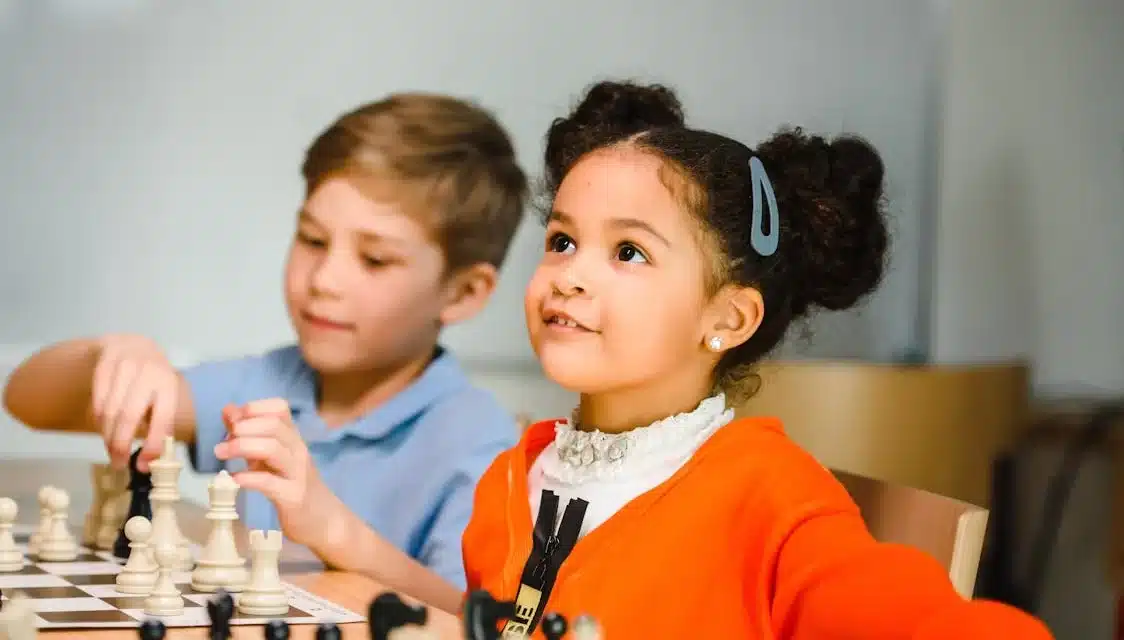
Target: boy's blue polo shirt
<point>408,468</point>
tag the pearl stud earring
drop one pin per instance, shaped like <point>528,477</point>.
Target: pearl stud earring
<point>715,343</point>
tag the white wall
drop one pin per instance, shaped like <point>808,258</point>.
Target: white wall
<point>1031,226</point>
<point>1030,259</point>
<point>149,155</point>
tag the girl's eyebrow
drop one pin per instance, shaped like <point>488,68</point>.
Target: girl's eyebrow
<point>618,223</point>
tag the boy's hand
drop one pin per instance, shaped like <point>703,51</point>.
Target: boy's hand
<point>133,382</point>
<point>279,466</point>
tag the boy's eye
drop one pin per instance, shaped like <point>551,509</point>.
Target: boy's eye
<point>309,240</point>
<point>629,253</point>
<point>371,261</point>
<point>559,243</point>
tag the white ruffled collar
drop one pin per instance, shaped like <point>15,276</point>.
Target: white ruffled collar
<point>577,456</point>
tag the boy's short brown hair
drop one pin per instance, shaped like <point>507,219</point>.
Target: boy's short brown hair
<point>446,159</point>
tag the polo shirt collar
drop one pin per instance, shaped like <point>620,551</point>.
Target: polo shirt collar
<point>441,377</point>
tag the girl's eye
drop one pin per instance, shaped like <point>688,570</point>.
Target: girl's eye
<point>629,253</point>
<point>559,243</point>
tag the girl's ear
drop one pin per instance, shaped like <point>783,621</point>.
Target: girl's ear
<point>734,315</point>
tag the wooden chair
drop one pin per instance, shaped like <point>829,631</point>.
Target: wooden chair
<point>937,428</point>
<point>950,530</point>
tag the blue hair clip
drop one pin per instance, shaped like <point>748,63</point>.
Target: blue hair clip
<point>765,244</point>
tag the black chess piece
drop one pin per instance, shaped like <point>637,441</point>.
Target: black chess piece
<point>554,626</point>
<point>140,485</point>
<point>152,630</point>
<point>277,630</point>
<point>482,615</point>
<point>220,609</point>
<point>327,631</point>
<point>388,612</point>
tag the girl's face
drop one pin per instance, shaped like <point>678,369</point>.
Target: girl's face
<point>618,301</point>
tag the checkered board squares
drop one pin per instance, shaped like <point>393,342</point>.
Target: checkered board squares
<point>83,593</point>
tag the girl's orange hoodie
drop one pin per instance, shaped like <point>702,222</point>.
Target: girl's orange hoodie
<point>752,538</point>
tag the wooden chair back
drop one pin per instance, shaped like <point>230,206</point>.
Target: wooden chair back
<point>934,427</point>
<point>952,531</point>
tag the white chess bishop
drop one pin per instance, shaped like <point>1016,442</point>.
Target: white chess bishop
<point>219,565</point>
<point>165,472</point>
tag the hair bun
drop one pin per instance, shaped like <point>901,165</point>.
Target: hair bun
<point>627,108</point>
<point>609,111</point>
<point>830,200</point>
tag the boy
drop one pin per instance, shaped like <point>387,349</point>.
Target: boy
<point>411,203</point>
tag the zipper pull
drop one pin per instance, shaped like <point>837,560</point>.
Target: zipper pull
<point>552,544</point>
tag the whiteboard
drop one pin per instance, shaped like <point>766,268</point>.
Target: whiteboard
<point>149,149</point>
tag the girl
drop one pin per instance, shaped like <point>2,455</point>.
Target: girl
<point>675,260</point>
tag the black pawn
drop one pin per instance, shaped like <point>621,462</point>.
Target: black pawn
<point>554,626</point>
<point>152,630</point>
<point>327,631</point>
<point>140,485</point>
<point>277,630</point>
<point>220,609</point>
<point>388,612</point>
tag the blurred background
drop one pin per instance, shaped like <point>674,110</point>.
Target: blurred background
<point>149,178</point>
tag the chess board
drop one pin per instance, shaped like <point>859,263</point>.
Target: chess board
<point>83,594</point>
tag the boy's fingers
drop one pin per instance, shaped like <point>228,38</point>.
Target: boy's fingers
<point>103,376</point>
<point>269,406</point>
<point>255,449</point>
<point>267,427</point>
<point>124,375</point>
<point>273,487</point>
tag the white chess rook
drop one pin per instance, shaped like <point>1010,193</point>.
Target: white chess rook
<point>219,565</point>
<point>264,595</point>
<point>165,493</point>
<point>11,558</point>
<point>140,572</point>
<point>58,544</point>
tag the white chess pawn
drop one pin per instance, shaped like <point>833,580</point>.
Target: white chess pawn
<point>58,545</point>
<point>264,595</point>
<point>17,619</point>
<point>11,558</point>
<point>586,628</point>
<point>165,598</point>
<point>139,574</point>
<point>44,520</point>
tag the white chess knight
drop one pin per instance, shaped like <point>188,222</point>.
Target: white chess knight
<point>11,558</point>
<point>219,565</point>
<point>57,544</point>
<point>139,574</point>
<point>109,508</point>
<point>111,515</point>
<point>165,493</point>
<point>264,595</point>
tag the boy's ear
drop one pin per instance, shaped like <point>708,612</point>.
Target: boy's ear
<point>467,291</point>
